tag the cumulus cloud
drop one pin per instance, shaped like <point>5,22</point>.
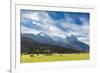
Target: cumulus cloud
<point>28,30</point>
<point>81,31</point>
<point>41,21</point>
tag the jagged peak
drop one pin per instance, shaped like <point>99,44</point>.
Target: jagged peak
<point>71,38</point>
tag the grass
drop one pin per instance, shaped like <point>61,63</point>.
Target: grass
<point>55,57</point>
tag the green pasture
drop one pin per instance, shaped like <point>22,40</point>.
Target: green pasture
<point>55,57</point>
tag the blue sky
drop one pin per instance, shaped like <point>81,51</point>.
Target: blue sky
<point>54,23</point>
<point>74,15</point>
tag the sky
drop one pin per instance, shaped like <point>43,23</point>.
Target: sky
<point>56,23</point>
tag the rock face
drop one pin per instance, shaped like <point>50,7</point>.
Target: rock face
<point>43,41</point>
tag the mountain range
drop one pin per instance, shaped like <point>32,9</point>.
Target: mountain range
<point>70,42</point>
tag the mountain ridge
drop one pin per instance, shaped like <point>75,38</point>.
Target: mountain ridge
<point>71,42</point>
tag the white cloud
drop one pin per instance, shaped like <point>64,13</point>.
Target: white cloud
<point>49,26</point>
<point>85,39</point>
<point>77,30</point>
<point>31,16</point>
<point>54,31</point>
<point>28,30</point>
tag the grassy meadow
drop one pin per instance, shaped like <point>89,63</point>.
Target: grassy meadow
<point>55,57</point>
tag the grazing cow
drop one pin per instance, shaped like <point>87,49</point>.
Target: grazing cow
<point>32,55</point>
